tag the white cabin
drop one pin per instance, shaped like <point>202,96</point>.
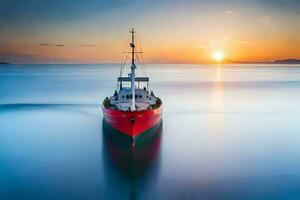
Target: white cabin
<point>122,98</point>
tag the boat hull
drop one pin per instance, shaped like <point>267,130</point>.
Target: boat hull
<point>132,124</point>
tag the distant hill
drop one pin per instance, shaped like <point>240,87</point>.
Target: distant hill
<point>287,61</point>
<point>4,63</point>
<point>228,61</point>
<point>283,61</point>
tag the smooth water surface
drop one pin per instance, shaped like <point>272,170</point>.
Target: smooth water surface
<point>228,132</point>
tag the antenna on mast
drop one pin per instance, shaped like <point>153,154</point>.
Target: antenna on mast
<point>133,67</point>
<point>132,45</point>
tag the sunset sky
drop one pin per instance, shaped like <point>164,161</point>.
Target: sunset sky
<point>169,31</point>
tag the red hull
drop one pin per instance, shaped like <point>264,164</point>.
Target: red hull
<point>132,123</point>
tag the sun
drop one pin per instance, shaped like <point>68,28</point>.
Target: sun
<point>218,56</point>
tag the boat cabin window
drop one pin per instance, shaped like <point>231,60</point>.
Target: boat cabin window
<point>140,96</point>
<point>122,96</point>
<point>127,96</point>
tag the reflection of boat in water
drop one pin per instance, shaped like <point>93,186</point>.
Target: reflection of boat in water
<point>132,160</point>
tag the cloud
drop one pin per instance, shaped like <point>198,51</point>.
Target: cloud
<point>52,45</point>
<point>62,45</point>
<point>266,19</point>
<point>88,45</point>
<point>231,12</point>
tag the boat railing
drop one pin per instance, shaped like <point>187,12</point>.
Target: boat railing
<point>156,105</point>
<point>137,79</point>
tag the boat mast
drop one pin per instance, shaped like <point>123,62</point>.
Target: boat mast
<point>133,67</point>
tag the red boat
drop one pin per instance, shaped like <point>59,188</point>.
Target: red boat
<point>133,110</point>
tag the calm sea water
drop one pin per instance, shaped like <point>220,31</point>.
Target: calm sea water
<point>228,132</point>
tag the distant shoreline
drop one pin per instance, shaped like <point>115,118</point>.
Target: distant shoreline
<point>283,61</point>
<point>225,62</point>
<point>287,61</point>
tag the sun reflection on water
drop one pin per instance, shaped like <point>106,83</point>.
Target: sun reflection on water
<point>218,74</point>
<point>217,100</point>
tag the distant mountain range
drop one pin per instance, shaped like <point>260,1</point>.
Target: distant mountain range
<point>287,61</point>
<point>4,63</point>
<point>283,61</point>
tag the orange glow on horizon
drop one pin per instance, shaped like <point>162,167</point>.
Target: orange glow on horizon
<point>173,51</point>
<point>183,34</point>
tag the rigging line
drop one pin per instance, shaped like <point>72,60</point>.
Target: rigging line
<point>127,50</point>
<point>143,70</point>
<point>117,85</point>
<point>123,64</point>
<point>143,64</point>
<point>138,61</point>
<point>124,58</point>
<point>120,74</point>
<point>142,58</point>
